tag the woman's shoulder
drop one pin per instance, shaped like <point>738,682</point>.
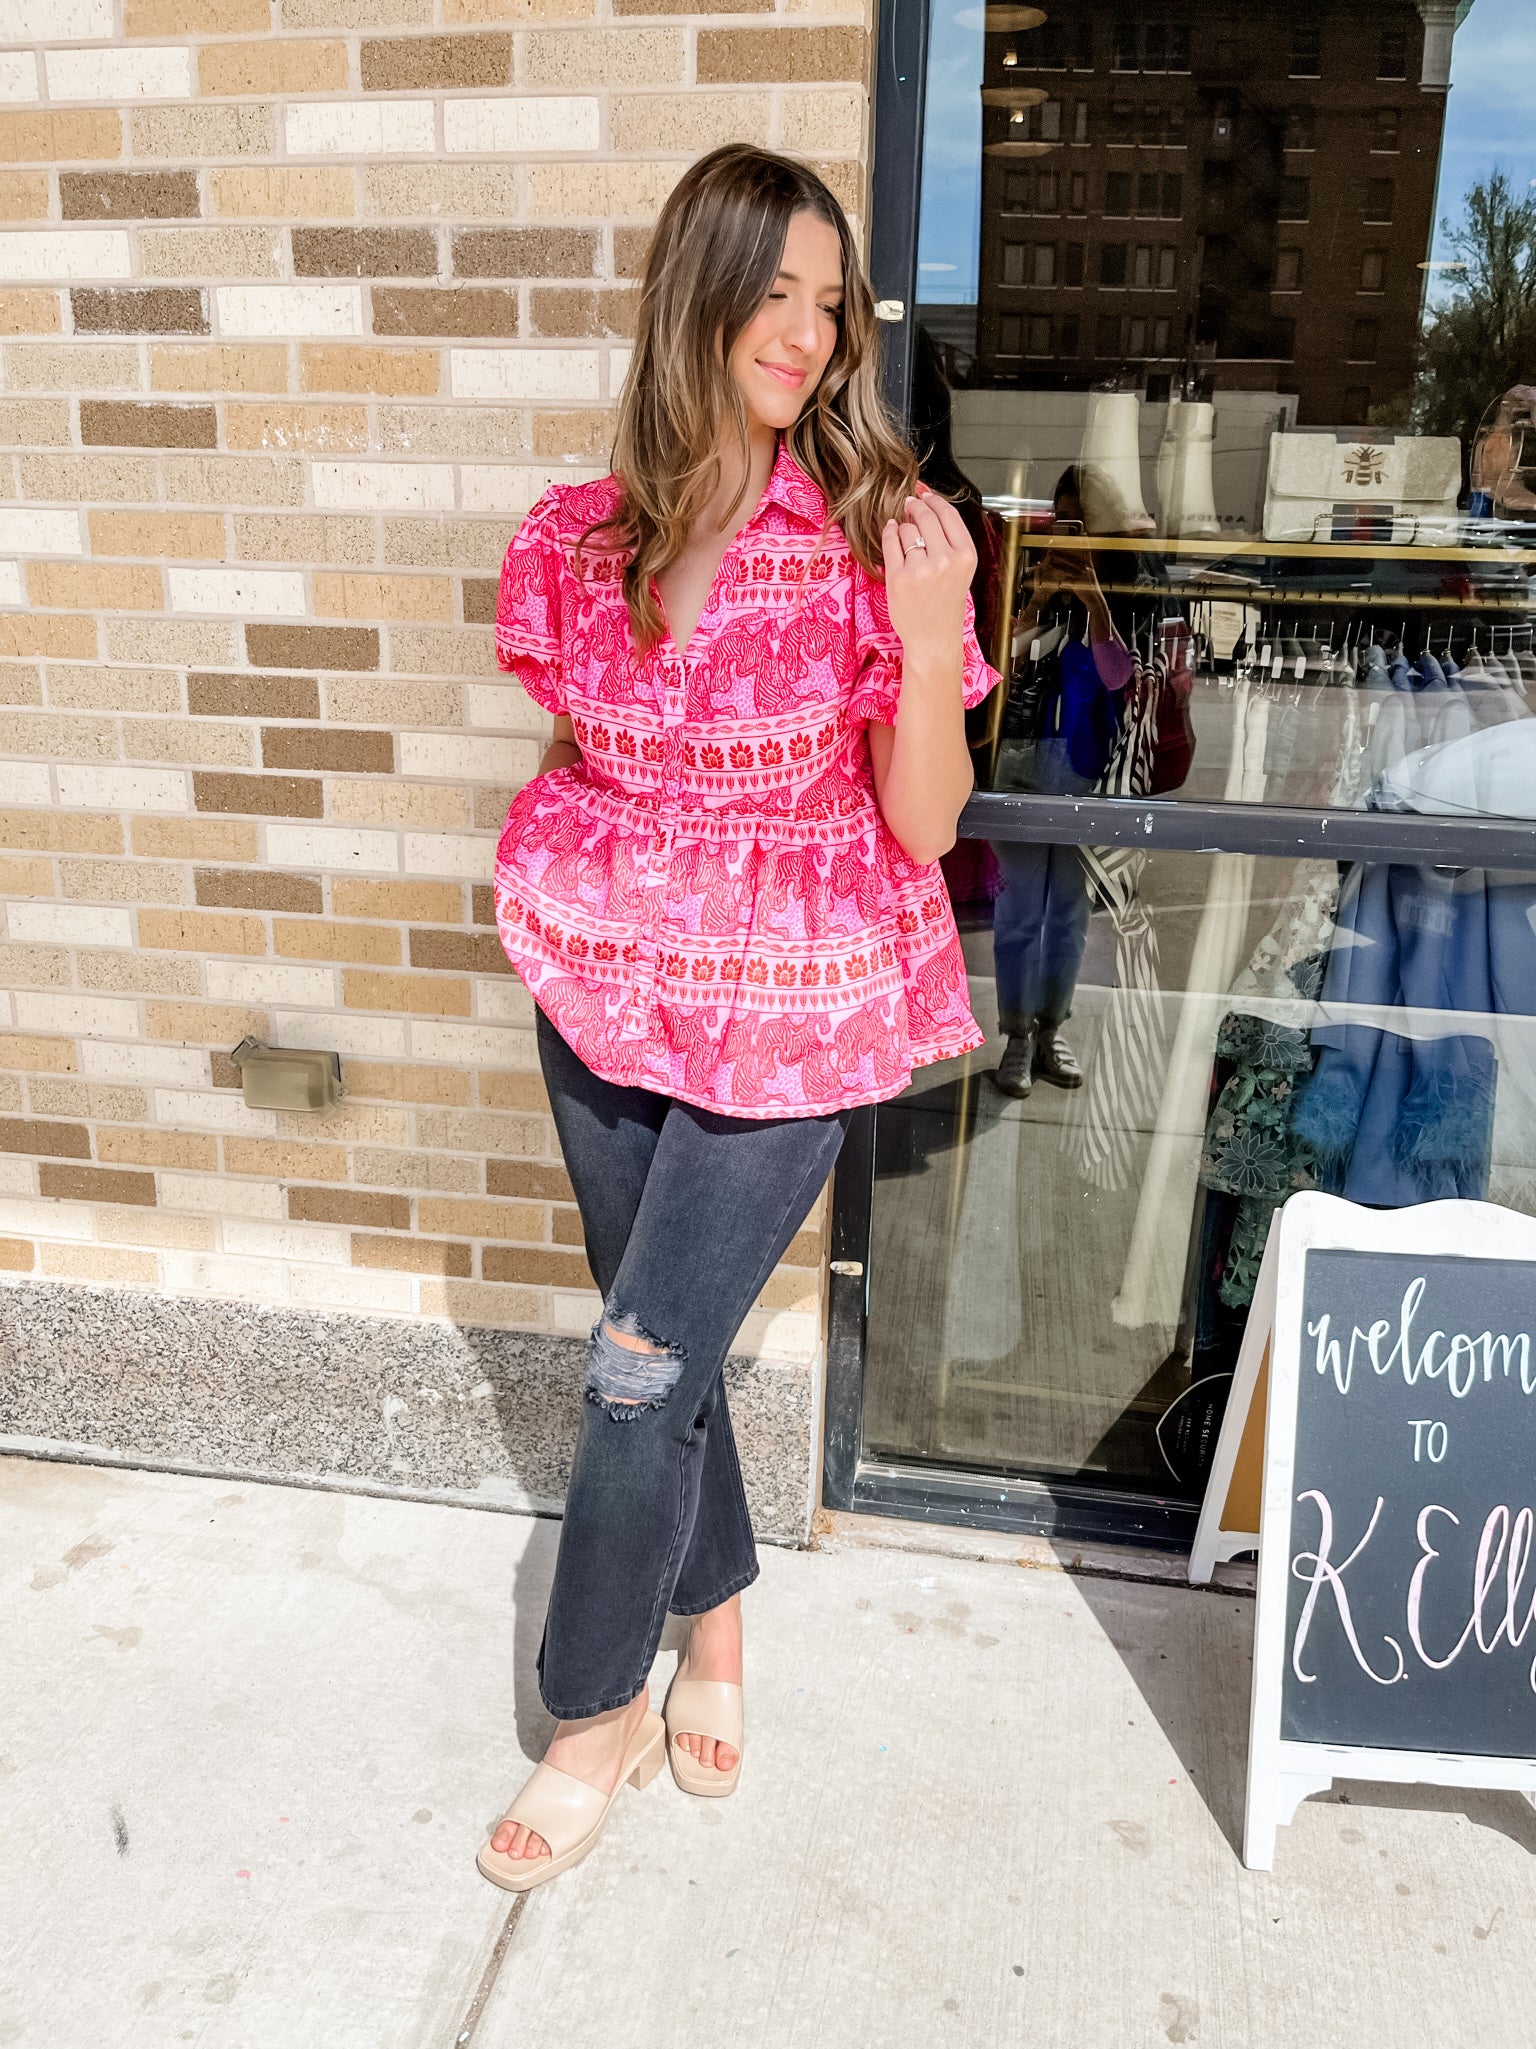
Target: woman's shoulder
<point>567,511</point>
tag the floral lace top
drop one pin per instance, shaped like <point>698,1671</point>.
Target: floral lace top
<point>709,904</point>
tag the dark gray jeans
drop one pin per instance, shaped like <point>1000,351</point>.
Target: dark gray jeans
<point>686,1214</point>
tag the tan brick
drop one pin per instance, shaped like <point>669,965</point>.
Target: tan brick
<point>467,310</point>
<point>47,636</point>
<point>96,1184</point>
<point>445,542</point>
<point>583,310</point>
<point>204,1024</point>
<point>124,424</point>
<point>87,478</point>
<point>349,1206</point>
<point>618,192</point>
<point>305,537</point>
<point>285,1159</point>
<point>57,1096</point>
<point>263,796</point>
<point>422,807</point>
<point>830,121</point>
<point>143,1229</point>
<point>140,974</point>
<point>21,683</point>
<point>16,1255</point>
<point>201,133</point>
<point>467,433</point>
<point>62,832</point>
<point>526,252</point>
<point>356,595</point>
<point>193,536</point>
<point>631,247</point>
<point>472,1302</point>
<point>521,1221</point>
<point>320,747</point>
<point>82,687</point>
<point>192,742</point>
<point>197,17</point>
<point>117,587</point>
<point>392,373</point>
<point>603,56</point>
<point>356,13</point>
<point>475,1132</point>
<point>194,839</point>
<point>324,939</point>
<point>435,63</point>
<point>24,197</point>
<point>121,882</point>
<point>411,1255</point>
<point>128,195</point>
<point>423,995</point>
<point>441,191</point>
<point>202,932</point>
<point>38,966</point>
<point>780,56</point>
<point>460,13</point>
<point>182,642</point>
<point>211,252</point>
<point>37,1056</point>
<point>257,889</point>
<point>306,429</point>
<point>270,68</point>
<point>585,434</point>
<point>115,1265</point>
<point>512,1091</point>
<point>29,312</point>
<point>692,120</point>
<point>312,647</point>
<point>180,1149</point>
<point>382,1168</point>
<point>60,735</point>
<point>220,367</point>
<point>49,138</point>
<point>212,695</point>
<point>353,897</point>
<point>467,953</point>
<point>236,480</point>
<point>445,1086</point>
<point>535,1268</point>
<point>26,878</point>
<point>284,192</point>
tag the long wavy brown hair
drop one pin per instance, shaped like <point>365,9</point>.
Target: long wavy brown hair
<point>713,258</point>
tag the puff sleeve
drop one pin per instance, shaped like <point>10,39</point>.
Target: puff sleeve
<point>529,603</point>
<point>878,656</point>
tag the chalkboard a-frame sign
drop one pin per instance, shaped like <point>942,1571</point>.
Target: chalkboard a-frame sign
<point>1395,1636</point>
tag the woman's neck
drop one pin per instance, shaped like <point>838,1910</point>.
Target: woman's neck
<point>733,500</point>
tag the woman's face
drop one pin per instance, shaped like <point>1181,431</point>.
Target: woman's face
<point>781,353</point>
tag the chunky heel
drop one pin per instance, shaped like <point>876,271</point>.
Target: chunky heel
<point>649,1765</point>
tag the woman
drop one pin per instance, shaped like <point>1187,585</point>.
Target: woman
<point>756,643</point>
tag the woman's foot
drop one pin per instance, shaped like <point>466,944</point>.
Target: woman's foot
<point>592,1751</point>
<point>714,1652</point>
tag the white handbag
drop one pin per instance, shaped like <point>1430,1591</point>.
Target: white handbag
<point>1327,485</point>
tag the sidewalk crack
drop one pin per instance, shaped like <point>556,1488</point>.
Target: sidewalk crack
<point>466,2030</point>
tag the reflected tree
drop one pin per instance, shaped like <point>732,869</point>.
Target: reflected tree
<point>1480,337</point>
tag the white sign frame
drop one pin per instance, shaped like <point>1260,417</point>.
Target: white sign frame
<point>1282,1773</point>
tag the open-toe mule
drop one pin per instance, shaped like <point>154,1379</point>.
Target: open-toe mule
<point>568,1813</point>
<point>703,1707</point>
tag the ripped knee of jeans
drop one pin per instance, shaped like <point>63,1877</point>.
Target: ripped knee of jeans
<point>627,1379</point>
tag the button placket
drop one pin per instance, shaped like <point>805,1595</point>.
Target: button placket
<point>658,859</point>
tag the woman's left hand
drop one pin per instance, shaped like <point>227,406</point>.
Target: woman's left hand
<point>929,563</point>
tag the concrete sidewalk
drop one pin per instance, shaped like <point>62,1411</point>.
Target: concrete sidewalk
<point>255,1734</point>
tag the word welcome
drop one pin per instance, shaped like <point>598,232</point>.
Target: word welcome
<point>1461,1358</point>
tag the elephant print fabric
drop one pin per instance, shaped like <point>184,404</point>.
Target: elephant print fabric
<point>708,904</point>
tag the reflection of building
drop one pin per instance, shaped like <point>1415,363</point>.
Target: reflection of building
<point>1248,189</point>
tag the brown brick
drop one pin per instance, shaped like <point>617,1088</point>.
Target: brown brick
<point>780,56</point>
<point>282,1158</point>
<point>257,889</point>
<point>426,994</point>
<point>525,252</point>
<point>185,536</point>
<point>28,1135</point>
<point>222,1071</point>
<point>459,310</point>
<point>324,939</point>
<point>391,373</point>
<point>583,310</point>
<point>202,932</point>
<point>565,1227</point>
<point>58,832</point>
<point>272,67</point>
<point>353,897</point>
<point>480,600</point>
<point>435,63</point>
<point>49,138</point>
<point>465,953</point>
<point>412,1255</point>
<point>119,423</point>
<point>194,839</point>
<point>349,1206</point>
<point>535,1268</point>
<point>128,195</point>
<point>482,905</point>
<point>16,1255</point>
<point>510,1089</point>
<point>349,750</point>
<point>631,247</point>
<point>312,647</point>
<point>265,796</point>
<point>364,252</point>
<point>188,1150</point>
<point>158,309</point>
<point>96,1184</point>
<point>446,1086</point>
<point>217,695</point>
<point>521,1222</point>
<point>528,1179</point>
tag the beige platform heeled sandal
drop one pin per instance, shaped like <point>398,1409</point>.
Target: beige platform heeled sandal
<point>568,1813</point>
<point>703,1707</point>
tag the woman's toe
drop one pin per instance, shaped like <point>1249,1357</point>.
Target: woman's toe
<point>707,1752</point>
<point>725,1757</point>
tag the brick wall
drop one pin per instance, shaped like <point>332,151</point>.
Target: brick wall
<point>302,305</point>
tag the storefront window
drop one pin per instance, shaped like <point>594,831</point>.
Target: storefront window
<point>1225,344</point>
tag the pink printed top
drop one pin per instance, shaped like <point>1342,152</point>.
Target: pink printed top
<point>709,904</point>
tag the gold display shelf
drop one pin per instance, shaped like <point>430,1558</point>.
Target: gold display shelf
<point>1256,595</point>
<point>1246,544</point>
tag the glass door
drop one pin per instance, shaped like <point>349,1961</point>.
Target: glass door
<point>1220,328</point>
